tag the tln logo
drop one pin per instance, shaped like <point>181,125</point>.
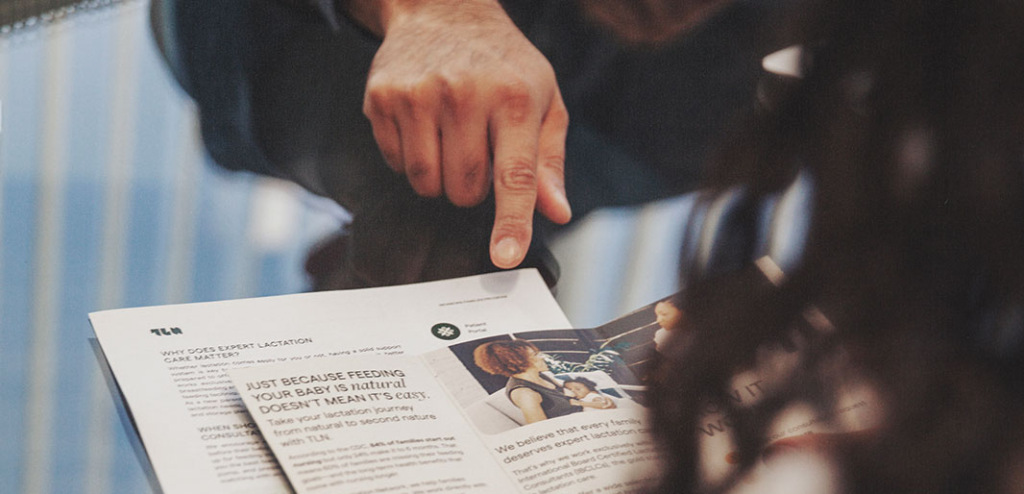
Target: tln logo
<point>165,331</point>
<point>445,331</point>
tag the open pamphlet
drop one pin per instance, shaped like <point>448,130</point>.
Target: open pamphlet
<point>169,363</point>
<point>467,385</point>
<point>555,411</point>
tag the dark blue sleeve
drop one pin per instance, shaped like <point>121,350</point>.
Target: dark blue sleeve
<point>222,54</point>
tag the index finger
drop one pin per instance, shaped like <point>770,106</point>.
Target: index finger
<point>515,142</point>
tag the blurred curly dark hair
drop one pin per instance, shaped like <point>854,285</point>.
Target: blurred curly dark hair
<point>910,122</point>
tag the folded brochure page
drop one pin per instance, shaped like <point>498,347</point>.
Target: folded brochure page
<point>429,424</point>
<point>170,362</point>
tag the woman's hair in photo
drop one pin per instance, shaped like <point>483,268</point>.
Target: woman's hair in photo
<point>909,122</point>
<point>504,357</point>
<point>591,385</point>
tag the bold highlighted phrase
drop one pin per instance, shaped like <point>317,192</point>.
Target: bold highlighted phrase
<point>331,389</point>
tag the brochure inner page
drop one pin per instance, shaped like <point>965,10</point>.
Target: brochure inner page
<point>170,362</point>
<point>561,411</point>
<point>366,425</point>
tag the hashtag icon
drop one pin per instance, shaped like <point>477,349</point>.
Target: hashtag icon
<point>445,331</point>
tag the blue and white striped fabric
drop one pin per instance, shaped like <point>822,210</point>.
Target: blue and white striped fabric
<point>106,201</point>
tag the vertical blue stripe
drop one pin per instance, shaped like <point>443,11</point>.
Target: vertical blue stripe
<point>158,116</point>
<point>87,147</point>
<point>19,157</point>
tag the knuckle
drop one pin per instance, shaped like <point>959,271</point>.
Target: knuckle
<point>419,172</point>
<point>559,115</point>
<point>456,95</point>
<point>392,161</point>
<point>392,156</point>
<point>512,225</point>
<point>516,101</point>
<point>422,181</point>
<point>448,92</point>
<point>470,187</point>
<point>422,91</point>
<point>554,162</point>
<point>474,176</point>
<point>383,129</point>
<point>419,99</point>
<point>518,174</point>
<point>377,101</point>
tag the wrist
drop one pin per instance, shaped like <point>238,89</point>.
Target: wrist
<point>376,16</point>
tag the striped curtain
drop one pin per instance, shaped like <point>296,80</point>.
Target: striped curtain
<point>106,201</point>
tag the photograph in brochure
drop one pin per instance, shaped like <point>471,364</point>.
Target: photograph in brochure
<point>557,411</point>
<point>562,410</point>
<point>528,377</point>
<point>540,411</point>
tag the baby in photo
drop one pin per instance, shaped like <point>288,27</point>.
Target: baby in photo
<point>587,395</point>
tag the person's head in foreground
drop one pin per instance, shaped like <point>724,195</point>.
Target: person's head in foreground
<point>909,121</point>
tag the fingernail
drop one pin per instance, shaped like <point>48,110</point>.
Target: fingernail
<point>565,201</point>
<point>507,251</point>
<point>562,199</point>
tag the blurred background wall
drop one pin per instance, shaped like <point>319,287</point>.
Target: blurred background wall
<point>107,200</point>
